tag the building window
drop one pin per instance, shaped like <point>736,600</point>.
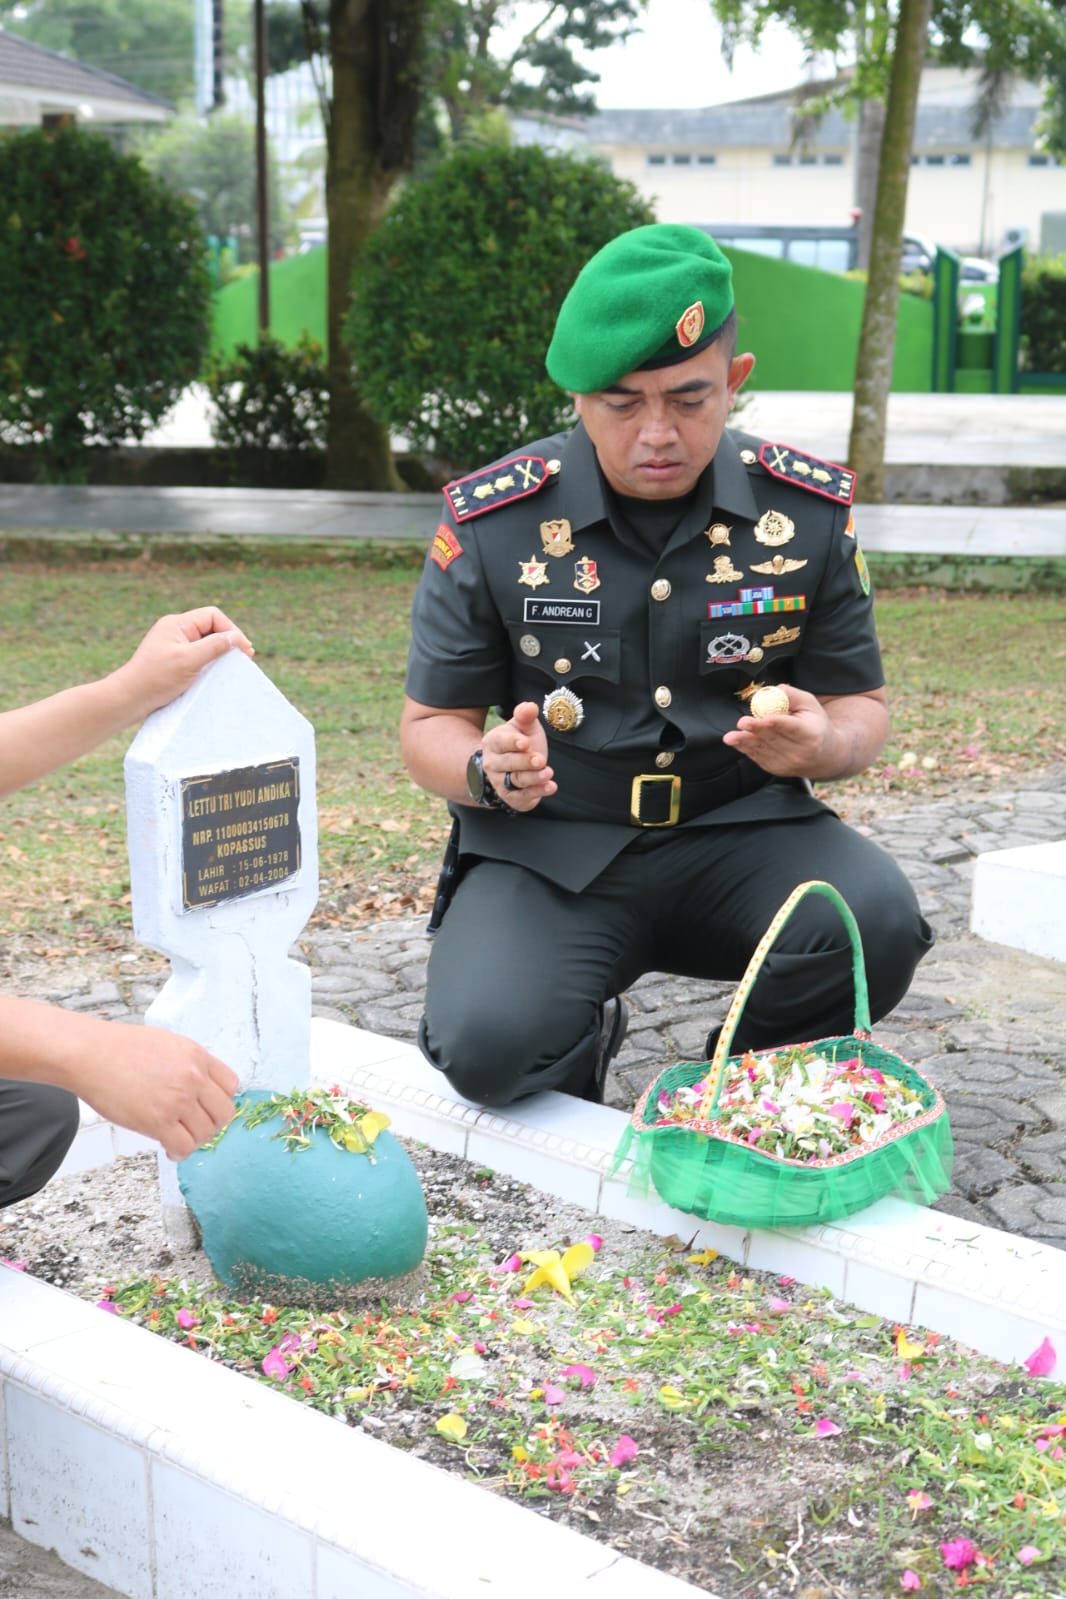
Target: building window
<point>961,158</point>
<point>656,160</point>
<point>782,160</point>
<point>707,160</point>
<point>1037,159</point>
<point>934,161</point>
<point>808,160</point>
<point>681,160</point>
<point>832,161</point>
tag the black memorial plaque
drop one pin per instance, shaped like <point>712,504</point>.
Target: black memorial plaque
<point>239,833</point>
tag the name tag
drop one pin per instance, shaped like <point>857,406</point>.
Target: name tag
<point>584,611</point>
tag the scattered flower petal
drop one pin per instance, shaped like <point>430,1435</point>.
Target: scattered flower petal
<point>594,1241</point>
<point>919,1500</point>
<point>274,1363</point>
<point>585,1373</point>
<point>1028,1554</point>
<point>187,1319</point>
<point>910,1581</point>
<point>107,1304</point>
<point>553,1394</point>
<point>626,1449</point>
<point>1042,1361</point>
<point>958,1554</point>
<point>452,1427</point>
<point>826,1428</point>
<point>904,1348</point>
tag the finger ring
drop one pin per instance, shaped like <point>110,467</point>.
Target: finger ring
<point>509,784</point>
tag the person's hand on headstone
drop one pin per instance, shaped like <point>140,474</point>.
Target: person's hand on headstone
<point>161,1084</point>
<point>172,652</point>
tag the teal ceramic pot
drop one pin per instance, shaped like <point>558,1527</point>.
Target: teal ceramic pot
<point>313,1226</point>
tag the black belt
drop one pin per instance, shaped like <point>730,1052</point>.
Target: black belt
<point>594,791</point>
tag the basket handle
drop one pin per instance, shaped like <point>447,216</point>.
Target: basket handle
<point>716,1075</point>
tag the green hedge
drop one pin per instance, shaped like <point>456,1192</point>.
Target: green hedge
<point>1043,314</point>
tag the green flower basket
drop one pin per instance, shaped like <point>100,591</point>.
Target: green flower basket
<point>697,1166</point>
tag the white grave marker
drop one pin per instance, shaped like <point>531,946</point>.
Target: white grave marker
<point>223,844</point>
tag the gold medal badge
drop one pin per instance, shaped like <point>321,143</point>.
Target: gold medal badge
<point>563,710</point>
<point>718,533</point>
<point>724,571</point>
<point>534,572</point>
<point>556,537</point>
<point>774,527</point>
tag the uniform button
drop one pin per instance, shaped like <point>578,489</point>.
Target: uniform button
<point>748,457</point>
<point>663,697</point>
<point>553,467</point>
<point>660,589</point>
<point>529,645</point>
<point>562,664</point>
<point>755,654</point>
<point>666,758</point>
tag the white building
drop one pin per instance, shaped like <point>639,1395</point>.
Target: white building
<point>742,162</point>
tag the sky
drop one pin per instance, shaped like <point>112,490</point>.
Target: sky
<point>676,61</point>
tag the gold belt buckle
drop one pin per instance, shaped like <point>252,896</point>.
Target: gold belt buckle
<point>675,798</point>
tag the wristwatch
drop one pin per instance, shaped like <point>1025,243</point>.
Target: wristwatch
<point>480,789</point>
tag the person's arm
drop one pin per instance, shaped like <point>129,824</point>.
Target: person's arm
<point>36,739</point>
<point>436,745</point>
<point>153,1081</point>
<point>823,736</point>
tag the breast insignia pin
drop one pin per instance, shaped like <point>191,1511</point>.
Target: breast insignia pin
<point>563,710</point>
<point>556,537</point>
<point>586,578</point>
<point>724,571</point>
<point>774,527</point>
<point>777,565</point>
<point>534,572</point>
<point>718,533</point>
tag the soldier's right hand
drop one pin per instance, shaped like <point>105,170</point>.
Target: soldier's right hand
<point>515,759</point>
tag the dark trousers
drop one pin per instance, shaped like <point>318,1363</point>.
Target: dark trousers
<point>37,1127</point>
<point>520,968</point>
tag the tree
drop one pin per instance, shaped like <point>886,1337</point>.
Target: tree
<point>458,291</point>
<point>213,164</point>
<point>470,68</point>
<point>105,303</point>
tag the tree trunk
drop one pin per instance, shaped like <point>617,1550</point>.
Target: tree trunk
<point>877,341</point>
<point>375,48</point>
<point>869,129</point>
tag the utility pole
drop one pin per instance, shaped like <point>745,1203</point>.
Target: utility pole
<point>262,196</point>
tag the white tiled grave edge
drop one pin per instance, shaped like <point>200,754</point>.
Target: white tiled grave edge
<point>1019,898</point>
<point>163,1475</point>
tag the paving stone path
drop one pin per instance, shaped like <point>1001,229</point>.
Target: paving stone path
<point>987,1024</point>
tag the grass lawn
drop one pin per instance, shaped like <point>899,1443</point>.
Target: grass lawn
<point>977,684</point>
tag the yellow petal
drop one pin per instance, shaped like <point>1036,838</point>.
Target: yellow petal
<point>704,1258</point>
<point>672,1397</point>
<point>540,1257</point>
<point>905,1349</point>
<point>373,1123</point>
<point>577,1258</point>
<point>521,1325</point>
<point>552,1273</point>
<point>519,1454</point>
<point>452,1427</point>
<point>622,1488</point>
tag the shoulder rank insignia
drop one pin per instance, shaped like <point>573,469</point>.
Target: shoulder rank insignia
<point>498,485</point>
<point>832,482</point>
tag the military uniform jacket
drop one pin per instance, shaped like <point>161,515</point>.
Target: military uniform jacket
<point>530,588</point>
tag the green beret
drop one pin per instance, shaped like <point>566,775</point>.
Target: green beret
<point>651,297</point>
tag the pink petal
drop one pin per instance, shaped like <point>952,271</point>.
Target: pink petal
<point>187,1319</point>
<point>1042,1361</point>
<point>461,1298</point>
<point>521,1304</point>
<point>479,1349</point>
<point>594,1241</point>
<point>1028,1554</point>
<point>910,1580</point>
<point>552,1394</point>
<point>826,1428</point>
<point>512,1263</point>
<point>275,1365</point>
<point>780,1304</point>
<point>107,1304</point>
<point>578,1369</point>
<point>16,1265</point>
<point>958,1554</point>
<point>624,1451</point>
<point>918,1500</point>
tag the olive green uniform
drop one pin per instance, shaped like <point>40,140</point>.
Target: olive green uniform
<point>663,848</point>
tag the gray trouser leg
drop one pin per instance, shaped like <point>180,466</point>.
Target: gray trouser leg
<point>37,1127</point>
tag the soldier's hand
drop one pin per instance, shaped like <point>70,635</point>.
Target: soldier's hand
<point>515,759</point>
<point>788,745</point>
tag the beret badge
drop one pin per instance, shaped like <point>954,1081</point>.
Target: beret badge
<point>689,325</point>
